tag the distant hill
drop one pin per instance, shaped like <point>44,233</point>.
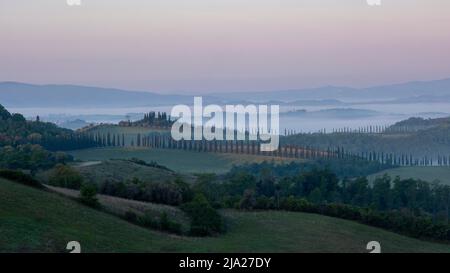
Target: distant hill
<point>123,170</point>
<point>416,136</point>
<point>408,92</point>
<point>335,113</point>
<point>74,124</point>
<point>14,94</point>
<point>416,124</point>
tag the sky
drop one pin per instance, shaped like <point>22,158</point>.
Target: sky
<point>206,46</point>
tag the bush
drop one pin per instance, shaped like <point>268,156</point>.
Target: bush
<point>169,193</point>
<point>130,217</point>
<point>168,225</point>
<point>205,220</point>
<point>88,194</point>
<point>20,177</point>
<point>66,177</point>
<point>248,200</point>
<point>148,221</point>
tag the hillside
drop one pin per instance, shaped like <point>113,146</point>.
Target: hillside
<point>177,160</point>
<point>16,130</point>
<point>34,220</point>
<point>15,94</point>
<point>121,170</point>
<point>436,88</point>
<point>416,124</point>
<point>442,174</point>
<point>121,206</point>
<point>415,137</point>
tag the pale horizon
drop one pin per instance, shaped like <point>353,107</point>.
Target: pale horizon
<point>200,47</point>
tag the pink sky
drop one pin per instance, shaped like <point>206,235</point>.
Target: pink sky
<point>200,46</point>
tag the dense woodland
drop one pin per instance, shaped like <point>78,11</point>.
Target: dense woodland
<point>15,130</point>
<point>30,157</point>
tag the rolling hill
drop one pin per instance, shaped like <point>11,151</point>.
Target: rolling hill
<point>416,91</point>
<point>177,160</point>
<point>442,174</point>
<point>14,94</point>
<point>39,221</point>
<point>122,170</point>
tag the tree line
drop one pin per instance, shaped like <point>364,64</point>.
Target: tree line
<point>15,130</point>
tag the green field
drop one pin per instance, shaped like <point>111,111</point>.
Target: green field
<point>120,170</point>
<point>429,174</point>
<point>177,160</point>
<point>34,221</point>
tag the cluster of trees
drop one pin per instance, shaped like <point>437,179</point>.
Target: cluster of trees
<point>156,119</point>
<point>20,177</point>
<point>66,177</point>
<point>169,193</point>
<point>151,119</point>
<point>30,157</point>
<point>205,220</point>
<point>151,164</point>
<point>163,223</point>
<point>16,130</point>
<point>321,186</point>
<point>88,195</point>
<point>342,167</point>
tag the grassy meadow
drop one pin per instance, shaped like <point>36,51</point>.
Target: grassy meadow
<point>177,160</point>
<point>120,170</point>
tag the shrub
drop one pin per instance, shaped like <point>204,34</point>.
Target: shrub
<point>248,201</point>
<point>65,176</point>
<point>168,225</point>
<point>205,220</point>
<point>148,222</point>
<point>88,194</point>
<point>20,177</point>
<point>130,217</point>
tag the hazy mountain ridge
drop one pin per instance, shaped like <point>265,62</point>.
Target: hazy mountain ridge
<point>13,94</point>
<point>417,91</point>
<point>334,113</point>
